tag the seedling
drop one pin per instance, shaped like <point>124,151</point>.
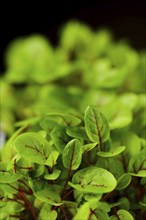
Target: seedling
<point>75,129</point>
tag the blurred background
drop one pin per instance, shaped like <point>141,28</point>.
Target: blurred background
<point>126,20</point>
<point>99,59</point>
<point>71,54</point>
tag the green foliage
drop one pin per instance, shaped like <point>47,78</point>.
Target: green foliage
<point>96,125</point>
<point>72,155</point>
<point>47,213</point>
<point>93,180</point>
<point>32,147</point>
<point>74,119</point>
<point>122,215</point>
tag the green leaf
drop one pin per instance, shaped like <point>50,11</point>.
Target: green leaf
<point>124,203</point>
<point>24,167</point>
<point>68,119</point>
<point>72,155</point>
<point>53,176</point>
<point>100,209</point>
<point>142,204</point>
<point>141,173</point>
<point>59,138</point>
<point>129,99</point>
<point>77,132</point>
<point>21,59</point>
<point>122,215</point>
<point>137,164</point>
<point>10,208</point>
<point>93,180</point>
<point>29,121</point>
<point>48,195</point>
<point>48,124</point>
<point>122,118</point>
<point>88,147</point>
<point>109,164</point>
<point>9,188</point>
<point>8,149</point>
<point>32,147</point>
<point>76,37</point>
<point>132,143</point>
<point>38,170</point>
<point>20,165</point>
<point>101,214</point>
<point>113,217</point>
<point>53,156</point>
<point>71,206</point>
<point>83,212</point>
<point>123,181</point>
<point>3,201</point>
<point>96,125</point>
<point>7,176</point>
<point>112,153</point>
<point>46,213</point>
<point>92,198</point>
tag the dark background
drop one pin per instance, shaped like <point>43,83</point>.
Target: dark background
<point>125,19</point>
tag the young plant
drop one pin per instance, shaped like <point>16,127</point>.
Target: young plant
<point>74,175</point>
<point>75,122</point>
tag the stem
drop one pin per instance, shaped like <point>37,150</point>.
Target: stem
<point>14,200</point>
<point>66,122</point>
<point>12,186</point>
<point>25,184</point>
<point>24,191</point>
<point>52,167</point>
<point>98,130</point>
<point>67,194</point>
<point>48,169</point>
<point>28,205</point>
<point>15,168</point>
<point>100,143</point>
<point>25,168</point>
<point>69,171</point>
<point>67,179</point>
<point>89,217</point>
<point>20,189</point>
<point>107,196</point>
<point>115,211</point>
<point>140,168</point>
<point>92,213</point>
<point>64,213</point>
<point>124,162</point>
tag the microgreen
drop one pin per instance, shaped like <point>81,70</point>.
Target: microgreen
<point>74,120</point>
